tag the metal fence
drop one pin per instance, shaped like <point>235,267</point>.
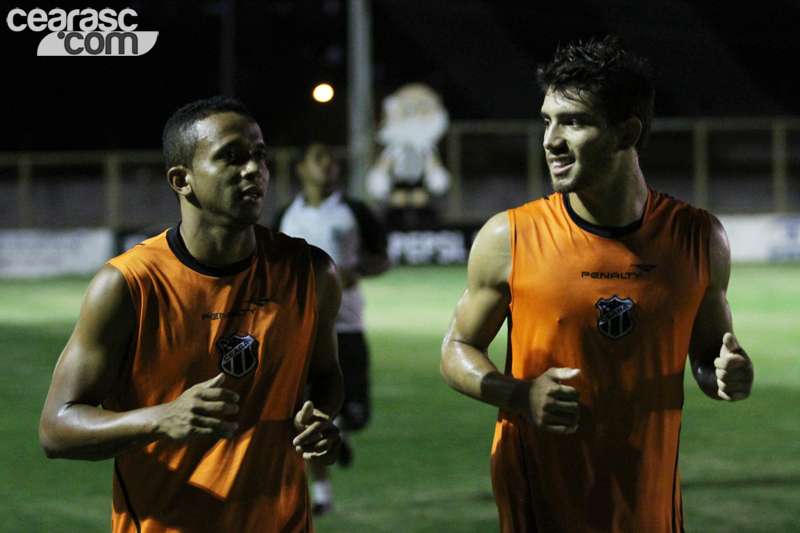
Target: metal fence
<point>729,166</point>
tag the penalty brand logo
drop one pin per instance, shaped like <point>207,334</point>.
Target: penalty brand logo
<point>84,32</point>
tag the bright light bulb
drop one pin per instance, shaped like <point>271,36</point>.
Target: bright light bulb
<point>323,92</point>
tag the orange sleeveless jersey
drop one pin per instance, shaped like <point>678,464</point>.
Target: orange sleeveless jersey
<point>618,304</point>
<point>256,322</point>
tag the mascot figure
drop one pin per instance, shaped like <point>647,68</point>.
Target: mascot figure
<point>408,171</point>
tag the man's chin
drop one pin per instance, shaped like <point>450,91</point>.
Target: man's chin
<point>563,185</point>
<point>245,220</point>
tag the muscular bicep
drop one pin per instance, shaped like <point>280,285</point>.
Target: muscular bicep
<point>480,311</point>
<point>483,307</point>
<point>89,365</point>
<point>478,316</point>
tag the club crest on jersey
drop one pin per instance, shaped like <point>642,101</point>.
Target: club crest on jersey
<point>615,316</point>
<point>239,355</point>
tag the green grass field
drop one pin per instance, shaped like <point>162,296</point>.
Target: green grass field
<point>423,463</point>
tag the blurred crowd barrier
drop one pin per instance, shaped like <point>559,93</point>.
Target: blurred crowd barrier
<point>730,166</point>
<point>26,253</point>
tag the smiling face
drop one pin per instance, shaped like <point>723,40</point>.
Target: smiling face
<point>228,178</point>
<point>580,145</point>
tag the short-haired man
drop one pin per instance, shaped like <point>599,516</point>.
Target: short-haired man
<point>606,284</point>
<point>198,344</point>
<point>353,236</point>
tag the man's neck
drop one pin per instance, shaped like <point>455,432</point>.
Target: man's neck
<point>616,204</point>
<point>217,245</point>
<point>314,196</point>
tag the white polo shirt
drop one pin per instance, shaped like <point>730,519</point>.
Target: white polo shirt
<point>332,226</point>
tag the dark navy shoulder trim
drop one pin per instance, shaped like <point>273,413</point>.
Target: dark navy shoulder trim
<point>601,231</point>
<point>178,248</point>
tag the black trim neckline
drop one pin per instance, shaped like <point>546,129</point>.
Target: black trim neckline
<point>178,248</point>
<point>603,231</point>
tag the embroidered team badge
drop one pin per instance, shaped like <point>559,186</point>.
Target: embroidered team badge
<point>239,355</point>
<point>615,316</point>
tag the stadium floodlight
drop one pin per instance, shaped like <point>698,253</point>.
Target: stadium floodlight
<point>323,93</point>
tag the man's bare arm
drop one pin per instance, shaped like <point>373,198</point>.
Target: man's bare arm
<point>73,426</point>
<point>318,438</point>
<point>478,316</point>
<point>720,366</point>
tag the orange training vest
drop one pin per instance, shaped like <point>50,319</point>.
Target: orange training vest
<point>618,304</point>
<point>256,321</point>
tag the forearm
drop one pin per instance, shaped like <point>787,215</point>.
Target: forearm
<point>470,371</point>
<point>706,377</point>
<point>90,433</point>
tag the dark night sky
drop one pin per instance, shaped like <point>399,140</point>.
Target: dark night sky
<point>712,58</point>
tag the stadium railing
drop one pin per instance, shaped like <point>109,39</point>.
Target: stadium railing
<point>728,165</point>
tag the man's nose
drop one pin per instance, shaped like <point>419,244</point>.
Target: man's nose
<point>254,167</point>
<point>552,137</point>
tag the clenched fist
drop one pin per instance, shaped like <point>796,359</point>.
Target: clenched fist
<point>554,406</point>
<point>199,412</point>
<point>734,370</point>
<point>319,438</point>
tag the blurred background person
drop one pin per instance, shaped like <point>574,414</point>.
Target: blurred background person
<point>356,240</point>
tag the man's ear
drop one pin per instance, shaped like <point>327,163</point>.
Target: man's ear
<point>630,130</point>
<point>178,178</point>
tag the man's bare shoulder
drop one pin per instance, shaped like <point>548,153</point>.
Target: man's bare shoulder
<point>720,253</point>
<point>108,289</point>
<point>107,318</point>
<point>718,237</point>
<point>322,262</point>
<point>490,256</point>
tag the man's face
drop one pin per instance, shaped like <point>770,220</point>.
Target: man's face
<point>229,175</point>
<point>579,143</point>
<point>319,169</point>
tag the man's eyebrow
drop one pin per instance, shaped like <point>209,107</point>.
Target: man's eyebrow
<point>230,144</point>
<point>236,143</point>
<point>568,115</point>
